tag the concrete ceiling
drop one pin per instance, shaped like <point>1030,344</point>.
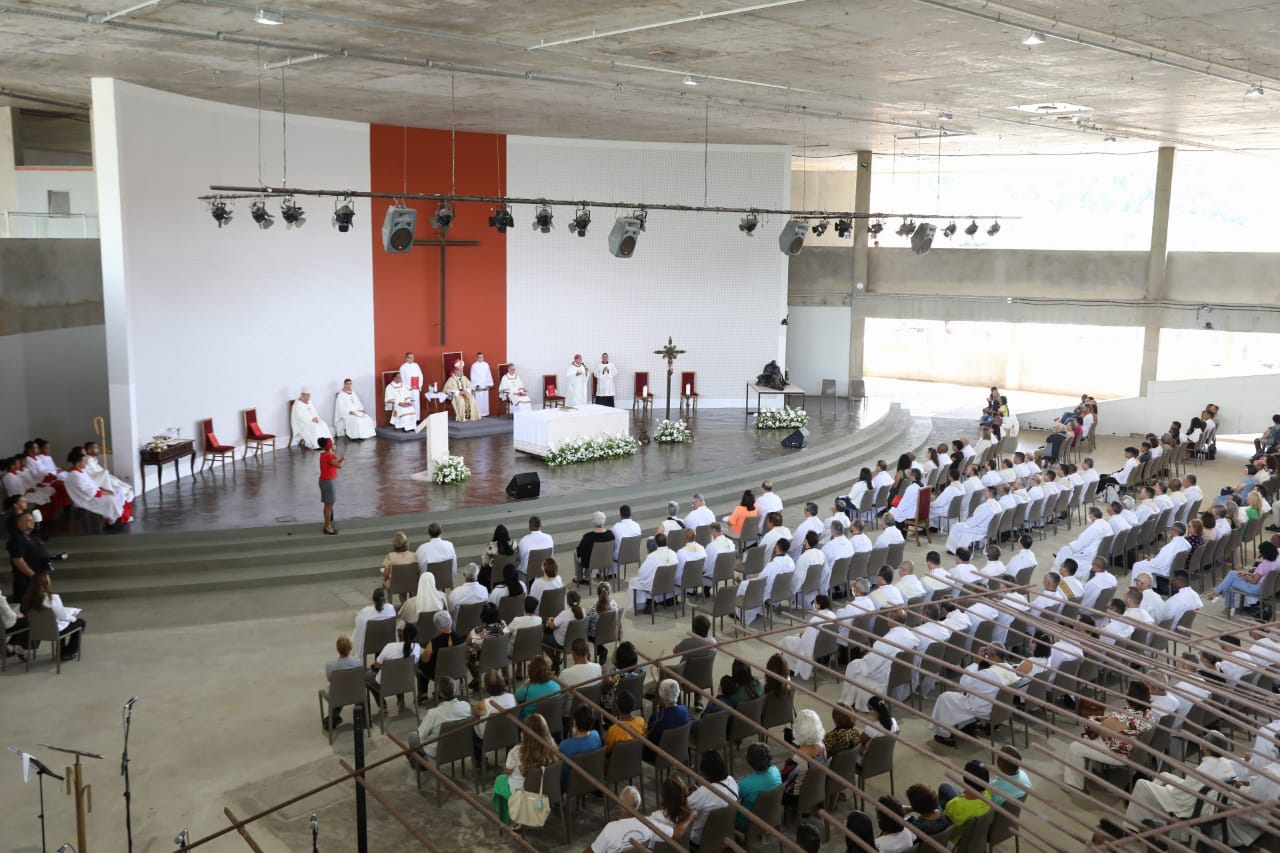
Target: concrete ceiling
<point>831,75</point>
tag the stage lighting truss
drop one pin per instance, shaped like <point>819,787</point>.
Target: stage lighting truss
<point>907,228</point>
<point>542,219</point>
<point>344,214</point>
<point>502,219</point>
<point>220,210</point>
<point>749,223</point>
<point>262,216</point>
<point>292,213</point>
<point>581,221</point>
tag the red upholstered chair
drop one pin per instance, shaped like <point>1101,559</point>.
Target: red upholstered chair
<point>254,436</point>
<point>446,362</point>
<point>551,397</point>
<point>689,381</point>
<point>921,522</point>
<point>638,395</point>
<point>214,449</point>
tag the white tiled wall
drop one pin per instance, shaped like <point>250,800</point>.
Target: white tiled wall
<point>694,276</point>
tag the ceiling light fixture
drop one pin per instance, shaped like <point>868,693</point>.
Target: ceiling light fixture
<point>994,229</point>
<point>220,210</point>
<point>875,228</point>
<point>749,223</point>
<point>502,219</point>
<point>949,231</point>
<point>690,80</point>
<point>844,227</point>
<point>269,17</point>
<point>971,228</point>
<point>258,210</point>
<point>443,217</point>
<point>1034,38</point>
<point>906,229</point>
<point>581,219</point>
<point>1254,91</point>
<point>542,219</point>
<point>291,213</point>
<point>344,214</point>
<point>821,228</point>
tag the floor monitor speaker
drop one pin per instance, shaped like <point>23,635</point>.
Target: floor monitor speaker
<point>796,439</point>
<point>524,485</point>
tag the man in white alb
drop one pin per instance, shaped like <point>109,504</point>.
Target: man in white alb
<point>606,375</point>
<point>100,475</point>
<point>512,389</point>
<point>411,376</point>
<point>481,382</point>
<point>349,416</point>
<point>305,421</point>
<point>84,493</point>
<point>399,402</point>
<point>575,384</point>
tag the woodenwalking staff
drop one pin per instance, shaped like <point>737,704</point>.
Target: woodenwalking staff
<point>82,792</point>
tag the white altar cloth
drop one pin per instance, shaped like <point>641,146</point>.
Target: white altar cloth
<point>540,431</point>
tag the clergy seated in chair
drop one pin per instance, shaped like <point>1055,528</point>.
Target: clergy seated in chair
<point>512,391</point>
<point>86,494</point>
<point>349,417</point>
<point>979,687</point>
<point>462,395</point>
<point>397,400</point>
<point>305,421</point>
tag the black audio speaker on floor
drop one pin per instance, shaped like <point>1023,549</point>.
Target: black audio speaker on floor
<point>524,486</point>
<point>796,439</point>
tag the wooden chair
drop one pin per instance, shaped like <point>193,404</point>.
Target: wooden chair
<point>923,499</point>
<point>446,365</point>
<point>254,436</point>
<point>551,398</point>
<point>689,390</point>
<point>214,450</point>
<point>638,395</point>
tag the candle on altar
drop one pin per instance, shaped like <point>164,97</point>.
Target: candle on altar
<point>688,389</point>
<point>644,392</point>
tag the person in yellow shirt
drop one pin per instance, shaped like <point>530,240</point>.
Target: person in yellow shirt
<point>628,725</point>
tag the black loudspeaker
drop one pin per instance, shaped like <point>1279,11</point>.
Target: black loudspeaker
<point>796,439</point>
<point>524,486</point>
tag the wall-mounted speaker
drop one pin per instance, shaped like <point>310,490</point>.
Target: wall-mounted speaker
<point>397,229</point>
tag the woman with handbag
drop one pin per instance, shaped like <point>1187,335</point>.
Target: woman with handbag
<point>536,749</point>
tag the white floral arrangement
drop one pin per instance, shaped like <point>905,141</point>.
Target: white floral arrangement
<point>451,469</point>
<point>672,432</point>
<point>784,418</point>
<point>591,449</point>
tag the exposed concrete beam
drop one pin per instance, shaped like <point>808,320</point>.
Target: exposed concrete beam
<point>1157,265</point>
<point>857,317</point>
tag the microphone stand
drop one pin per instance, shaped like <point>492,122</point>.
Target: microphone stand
<point>124,771</point>
<point>41,772</point>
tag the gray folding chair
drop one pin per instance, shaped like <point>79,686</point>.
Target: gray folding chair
<point>601,560</point>
<point>453,747</point>
<point>403,581</point>
<point>551,602</point>
<point>607,628</point>
<point>398,677</point>
<point>510,607</point>
<point>723,604</point>
<point>712,735</point>
<point>723,571</point>
<point>628,553</point>
<point>500,732</point>
<point>626,762</point>
<point>442,570</point>
<point>768,808</point>
<point>42,627</point>
<point>753,560</point>
<point>973,838</point>
<point>533,566</point>
<point>876,761</point>
<point>377,633</point>
<point>468,618</point>
<point>346,687</point>
<point>580,785</point>
<point>752,598</point>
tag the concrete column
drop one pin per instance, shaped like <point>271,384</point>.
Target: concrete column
<point>9,153</point>
<point>859,285</point>
<point>1157,261</point>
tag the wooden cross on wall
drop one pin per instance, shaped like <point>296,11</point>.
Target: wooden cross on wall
<point>443,244</point>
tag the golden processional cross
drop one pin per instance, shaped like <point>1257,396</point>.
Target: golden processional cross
<point>670,352</point>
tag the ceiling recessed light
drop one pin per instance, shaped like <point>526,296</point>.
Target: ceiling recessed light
<point>1034,38</point>
<point>690,80</point>
<point>1254,91</point>
<point>270,17</point>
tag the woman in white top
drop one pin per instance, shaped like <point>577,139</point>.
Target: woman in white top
<point>859,488</point>
<point>407,648</point>
<point>722,792</point>
<point>894,836</point>
<point>550,580</point>
<point>882,723</point>
<point>39,596</point>
<point>557,626</point>
<point>511,585</point>
<point>497,699</point>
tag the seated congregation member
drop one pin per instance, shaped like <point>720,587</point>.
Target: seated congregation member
<point>1161,564</point>
<point>843,734</point>
<point>583,670</point>
<point>437,549</point>
<point>448,709</point>
<point>499,546</point>
<point>378,608</point>
<point>625,667</point>
<point>747,687</point>
<point>399,555</point>
<point>406,647</point>
<point>558,625</point>
<point>628,725</point>
<point>1099,586</point>
<point>722,791</point>
<point>445,637</point>
<point>305,423</point>
<point>669,714</point>
<point>1170,796</point>
<point>1085,546</point>
<point>624,528</point>
<point>470,591</point>
<point>881,724</point>
<point>349,417</point>
<point>743,518</point>
<point>1010,782</point>
<point>511,585</point>
<point>764,777</point>
<point>491,626</point>
<point>344,660</point>
<point>1183,600</point>
<point>961,805</point>
<point>537,749</point>
<point>895,836</point>
<point>906,507</point>
<point>540,684</point>
<point>807,736</point>
<point>672,524</point>
<point>425,600</point>
<point>907,584</point>
<point>584,738</point>
<point>550,579</point>
<point>642,586</point>
<point>891,535</point>
<point>86,494</point>
<point>869,676</point>
<point>799,647</point>
<point>774,530</point>
<point>1108,739</point>
<point>605,604</point>
<point>965,533</point>
<point>925,813</point>
<point>689,550</point>
<point>719,544</point>
<point>534,540</point>
<point>1121,477</point>
<point>980,685</point>
<point>810,556</point>
<point>497,698</point>
<point>780,565</point>
<point>598,533</point>
<point>1247,582</point>
<point>617,836</point>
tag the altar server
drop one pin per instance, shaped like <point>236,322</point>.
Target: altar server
<point>349,416</point>
<point>101,475</point>
<point>481,382</point>
<point>305,421</point>
<point>605,376</point>
<point>84,493</point>
<point>411,376</point>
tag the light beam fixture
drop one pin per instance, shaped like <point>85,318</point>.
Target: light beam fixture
<point>262,216</point>
<point>949,231</point>
<point>791,240</point>
<point>1034,38</point>
<point>344,214</point>
<point>906,229</point>
<point>269,17</point>
<point>875,228</point>
<point>749,223</point>
<point>971,228</point>
<point>821,228</point>
<point>443,217</point>
<point>542,219</point>
<point>292,213</point>
<point>994,229</point>
<point>220,210</point>
<point>502,219</point>
<point>581,220</point>
<point>844,227</point>
<point>1254,91</point>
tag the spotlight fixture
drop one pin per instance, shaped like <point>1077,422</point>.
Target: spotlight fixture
<point>844,227</point>
<point>220,210</point>
<point>949,231</point>
<point>971,228</point>
<point>269,17</point>
<point>626,232</point>
<point>906,229</point>
<point>791,240</point>
<point>397,229</point>
<point>1254,91</point>
<point>821,228</point>
<point>344,214</point>
<point>258,210</point>
<point>581,219</point>
<point>1034,38</point>
<point>690,80</point>
<point>542,219</point>
<point>875,228</point>
<point>443,217</point>
<point>292,213</point>
<point>502,219</point>
<point>749,223</point>
<point>994,229</point>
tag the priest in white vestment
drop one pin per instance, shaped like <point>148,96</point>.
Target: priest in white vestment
<point>411,376</point>
<point>84,493</point>
<point>305,421</point>
<point>399,402</point>
<point>100,475</point>
<point>575,386</point>
<point>349,417</point>
<point>512,389</point>
<point>481,382</point>
<point>462,395</point>
<point>606,375</point>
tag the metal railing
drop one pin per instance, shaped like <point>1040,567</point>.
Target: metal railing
<point>19,223</point>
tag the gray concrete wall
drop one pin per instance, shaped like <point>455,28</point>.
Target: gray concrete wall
<point>49,284</point>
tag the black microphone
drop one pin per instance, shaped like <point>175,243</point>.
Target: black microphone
<point>130,703</point>
<point>315,824</point>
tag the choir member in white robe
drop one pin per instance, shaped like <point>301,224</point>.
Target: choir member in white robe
<point>512,389</point>
<point>84,493</point>
<point>798,648</point>
<point>411,376</point>
<point>18,480</point>
<point>398,400</point>
<point>606,375</point>
<point>101,475</point>
<point>481,382</point>
<point>907,507</point>
<point>463,396</point>
<point>575,386</point>
<point>349,417</point>
<point>305,421</point>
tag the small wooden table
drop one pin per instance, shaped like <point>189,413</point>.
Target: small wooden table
<point>171,452</point>
<point>764,391</point>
